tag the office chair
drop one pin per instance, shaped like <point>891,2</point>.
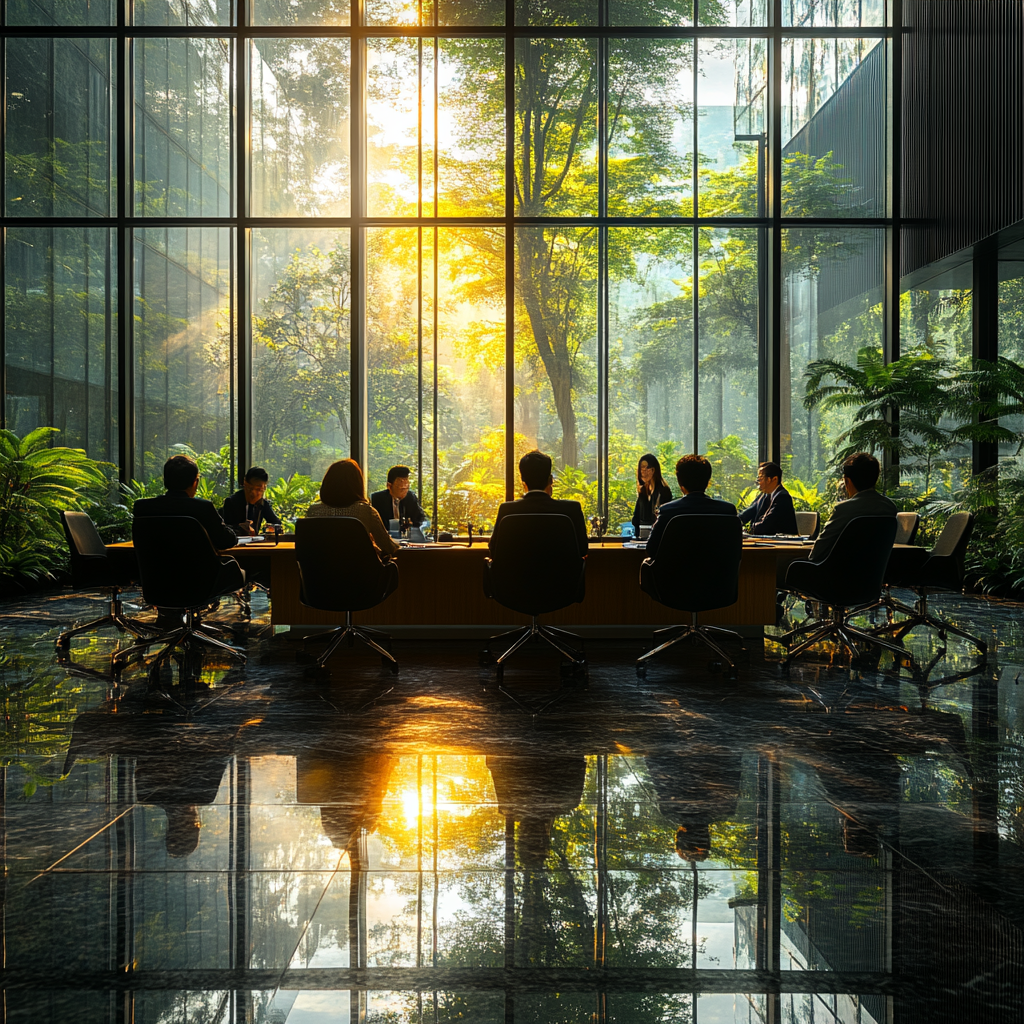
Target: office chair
<point>848,580</point>
<point>900,560</point>
<point>906,527</point>
<point>807,524</point>
<point>95,567</point>
<point>535,567</point>
<point>181,573</point>
<point>939,570</point>
<point>340,571</point>
<point>696,569</point>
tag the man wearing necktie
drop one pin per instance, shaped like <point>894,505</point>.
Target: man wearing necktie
<point>398,501</point>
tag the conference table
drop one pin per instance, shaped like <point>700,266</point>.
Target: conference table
<point>441,586</point>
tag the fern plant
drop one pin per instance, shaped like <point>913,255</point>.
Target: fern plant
<point>37,483</point>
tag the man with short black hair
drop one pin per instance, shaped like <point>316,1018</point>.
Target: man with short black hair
<point>248,509</point>
<point>538,483</point>
<point>181,478</point>
<point>773,511</point>
<point>693,472</point>
<point>398,502</point>
<point>860,474</point>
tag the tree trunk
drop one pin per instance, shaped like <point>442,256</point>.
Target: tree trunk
<point>549,335</point>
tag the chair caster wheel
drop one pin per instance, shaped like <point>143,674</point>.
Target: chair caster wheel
<point>641,671</point>
<point>714,666</point>
<point>486,659</point>
<point>732,674</point>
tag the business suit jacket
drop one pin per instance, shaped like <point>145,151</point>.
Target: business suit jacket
<point>692,504</point>
<point>178,503</point>
<point>236,510</point>
<point>541,503</point>
<point>409,507</point>
<point>864,503</point>
<point>771,513</point>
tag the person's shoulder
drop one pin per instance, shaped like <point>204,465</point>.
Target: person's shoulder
<point>377,495</point>
<point>672,507</point>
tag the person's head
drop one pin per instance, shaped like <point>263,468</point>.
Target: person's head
<point>769,476</point>
<point>648,473</point>
<point>693,842</point>
<point>181,474</point>
<point>535,470</point>
<point>343,484</point>
<point>255,484</point>
<point>693,473</point>
<point>398,481</point>
<point>860,471</point>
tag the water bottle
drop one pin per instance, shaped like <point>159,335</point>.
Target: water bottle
<point>627,531</point>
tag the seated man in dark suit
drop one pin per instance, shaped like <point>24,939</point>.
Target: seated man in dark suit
<point>248,509</point>
<point>535,473</point>
<point>398,502</point>
<point>860,474</point>
<point>693,472</point>
<point>181,478</point>
<point>773,511</point>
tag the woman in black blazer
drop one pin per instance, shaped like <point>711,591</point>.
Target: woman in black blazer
<point>652,491</point>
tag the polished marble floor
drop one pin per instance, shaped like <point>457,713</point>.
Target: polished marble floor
<point>269,843</point>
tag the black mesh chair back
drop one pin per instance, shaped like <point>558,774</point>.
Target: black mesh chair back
<point>535,564</point>
<point>807,524</point>
<point>178,564</point>
<point>697,567</point>
<point>339,568</point>
<point>906,527</point>
<point>340,571</point>
<point>852,573</point>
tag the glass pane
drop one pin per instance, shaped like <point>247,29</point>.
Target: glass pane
<point>407,174</point>
<point>184,350</point>
<point>832,309</point>
<point>64,12</point>
<point>735,13</point>
<point>301,12</point>
<point>555,13</point>
<point>556,353</point>
<point>1011,329</point>
<point>464,13</point>
<point>731,140</point>
<point>301,361</point>
<point>176,12</point>
<point>60,319</point>
<point>650,369</point>
<point>667,14</point>
<point>399,127</point>
<point>833,128</point>
<point>471,127</point>
<point>839,13</point>
<point>300,127</point>
<point>183,128</point>
<point>468,280</point>
<point>650,136</point>
<point>60,135</point>
<point>556,127</point>
<point>728,351</point>
<point>936,323</point>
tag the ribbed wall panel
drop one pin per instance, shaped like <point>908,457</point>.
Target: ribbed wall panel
<point>963,124</point>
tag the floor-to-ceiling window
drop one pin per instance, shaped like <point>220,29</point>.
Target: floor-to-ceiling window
<point>441,234</point>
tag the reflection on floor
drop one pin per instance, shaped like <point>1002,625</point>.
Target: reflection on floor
<point>269,843</point>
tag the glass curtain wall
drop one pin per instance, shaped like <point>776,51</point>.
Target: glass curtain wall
<point>441,234</point>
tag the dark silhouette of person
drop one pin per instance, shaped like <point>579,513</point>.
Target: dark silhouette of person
<point>696,789</point>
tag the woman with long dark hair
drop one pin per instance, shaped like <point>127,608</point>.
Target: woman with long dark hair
<point>343,493</point>
<point>652,491</point>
